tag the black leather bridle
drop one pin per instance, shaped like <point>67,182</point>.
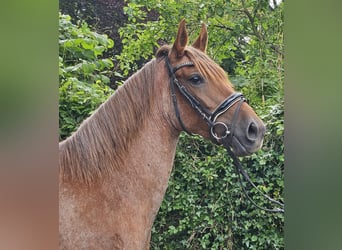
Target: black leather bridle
<point>211,118</point>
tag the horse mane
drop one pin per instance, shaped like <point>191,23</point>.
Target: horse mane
<point>98,146</point>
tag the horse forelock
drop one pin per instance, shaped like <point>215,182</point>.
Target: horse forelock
<point>207,67</point>
<point>99,145</point>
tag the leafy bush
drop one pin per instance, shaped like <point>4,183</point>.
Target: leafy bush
<point>204,206</point>
<point>83,74</point>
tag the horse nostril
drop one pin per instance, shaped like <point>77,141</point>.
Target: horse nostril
<point>252,131</point>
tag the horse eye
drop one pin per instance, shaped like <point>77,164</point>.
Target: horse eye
<point>196,79</point>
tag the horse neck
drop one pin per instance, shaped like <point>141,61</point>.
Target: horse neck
<point>149,157</point>
<point>126,148</point>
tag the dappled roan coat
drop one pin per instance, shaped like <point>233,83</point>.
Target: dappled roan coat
<point>115,168</point>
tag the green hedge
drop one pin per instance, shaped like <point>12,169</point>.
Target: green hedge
<point>204,207</point>
<point>83,74</point>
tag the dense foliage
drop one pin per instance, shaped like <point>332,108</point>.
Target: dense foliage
<point>83,74</point>
<point>204,207</point>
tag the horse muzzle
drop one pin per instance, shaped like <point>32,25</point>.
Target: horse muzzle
<point>243,133</point>
<point>246,139</point>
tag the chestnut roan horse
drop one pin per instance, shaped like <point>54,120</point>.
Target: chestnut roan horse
<point>114,169</point>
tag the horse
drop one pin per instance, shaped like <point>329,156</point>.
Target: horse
<point>114,170</point>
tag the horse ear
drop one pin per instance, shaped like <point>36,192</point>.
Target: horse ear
<point>202,40</point>
<point>181,40</point>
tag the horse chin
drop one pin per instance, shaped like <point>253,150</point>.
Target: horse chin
<point>240,150</point>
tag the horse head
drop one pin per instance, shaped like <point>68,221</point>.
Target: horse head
<point>205,102</point>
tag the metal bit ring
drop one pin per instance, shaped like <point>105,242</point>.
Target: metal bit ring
<point>215,135</point>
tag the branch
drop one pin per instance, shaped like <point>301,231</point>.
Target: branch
<point>223,27</point>
<point>277,50</point>
<point>251,20</point>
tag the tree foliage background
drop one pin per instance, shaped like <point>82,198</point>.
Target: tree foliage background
<point>204,207</point>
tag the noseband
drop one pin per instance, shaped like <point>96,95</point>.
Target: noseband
<point>209,117</point>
